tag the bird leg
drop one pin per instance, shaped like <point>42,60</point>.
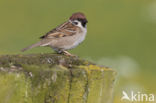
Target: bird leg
<point>67,53</point>
<point>64,52</point>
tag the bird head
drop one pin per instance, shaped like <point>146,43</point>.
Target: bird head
<point>78,19</point>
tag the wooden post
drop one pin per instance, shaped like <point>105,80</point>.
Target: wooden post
<point>53,78</point>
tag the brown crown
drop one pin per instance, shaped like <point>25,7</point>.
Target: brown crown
<point>77,15</point>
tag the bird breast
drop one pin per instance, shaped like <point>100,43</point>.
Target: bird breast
<point>69,42</point>
<point>79,37</point>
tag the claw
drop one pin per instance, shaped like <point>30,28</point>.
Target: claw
<point>67,53</point>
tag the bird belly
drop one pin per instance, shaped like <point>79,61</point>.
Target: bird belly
<point>66,43</point>
<point>78,40</point>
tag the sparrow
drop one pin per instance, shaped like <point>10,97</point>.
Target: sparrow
<point>65,36</point>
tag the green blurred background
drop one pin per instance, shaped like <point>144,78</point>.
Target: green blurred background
<point>121,35</point>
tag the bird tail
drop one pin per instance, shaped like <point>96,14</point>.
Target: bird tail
<point>32,46</point>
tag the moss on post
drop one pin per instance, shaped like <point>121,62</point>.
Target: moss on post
<point>53,78</point>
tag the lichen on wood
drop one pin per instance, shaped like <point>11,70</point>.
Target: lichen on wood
<point>54,78</point>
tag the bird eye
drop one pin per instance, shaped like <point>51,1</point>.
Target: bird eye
<point>75,23</point>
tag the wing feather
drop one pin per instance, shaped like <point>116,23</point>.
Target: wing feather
<point>65,29</point>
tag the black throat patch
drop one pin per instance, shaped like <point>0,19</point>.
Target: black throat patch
<point>83,22</point>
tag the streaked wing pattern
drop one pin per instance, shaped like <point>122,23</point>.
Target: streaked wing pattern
<point>66,29</point>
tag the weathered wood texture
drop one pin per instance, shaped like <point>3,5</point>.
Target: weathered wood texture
<point>52,78</point>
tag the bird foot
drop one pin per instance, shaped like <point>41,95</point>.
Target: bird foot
<point>67,53</point>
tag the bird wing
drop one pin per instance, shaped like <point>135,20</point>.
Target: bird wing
<point>65,29</point>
